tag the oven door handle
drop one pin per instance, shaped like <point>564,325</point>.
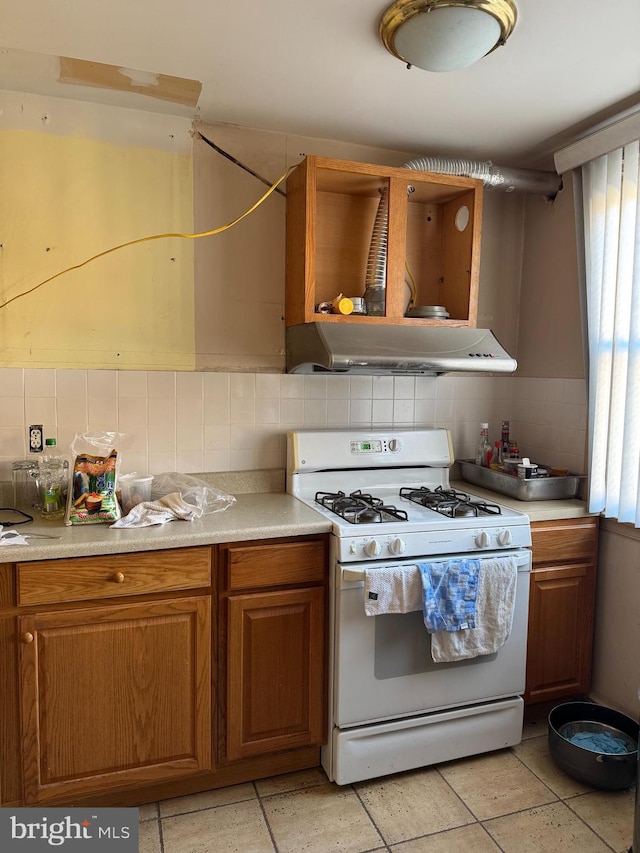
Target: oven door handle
<point>353,574</point>
<point>523,561</point>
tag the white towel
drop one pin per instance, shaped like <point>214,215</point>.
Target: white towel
<point>169,508</point>
<point>392,590</point>
<point>494,615</point>
<point>12,537</point>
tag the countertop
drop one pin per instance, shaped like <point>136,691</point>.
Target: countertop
<point>536,510</point>
<point>256,515</point>
<point>252,516</point>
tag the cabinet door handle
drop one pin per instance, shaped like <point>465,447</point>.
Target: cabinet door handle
<point>27,637</point>
<point>118,577</point>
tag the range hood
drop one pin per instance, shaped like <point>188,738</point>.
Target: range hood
<point>352,348</point>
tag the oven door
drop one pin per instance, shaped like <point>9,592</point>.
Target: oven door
<point>383,667</point>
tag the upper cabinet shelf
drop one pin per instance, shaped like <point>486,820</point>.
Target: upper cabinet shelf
<point>432,240</point>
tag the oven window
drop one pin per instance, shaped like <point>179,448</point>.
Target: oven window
<point>403,647</point>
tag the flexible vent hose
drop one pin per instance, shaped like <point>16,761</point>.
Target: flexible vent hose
<point>493,177</point>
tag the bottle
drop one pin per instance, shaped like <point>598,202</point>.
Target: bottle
<point>51,477</point>
<point>483,451</point>
<point>24,474</point>
<point>505,437</point>
<point>497,460</point>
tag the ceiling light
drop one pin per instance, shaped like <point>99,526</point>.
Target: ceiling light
<point>446,35</point>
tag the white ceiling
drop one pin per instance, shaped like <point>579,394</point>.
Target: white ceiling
<point>319,69</point>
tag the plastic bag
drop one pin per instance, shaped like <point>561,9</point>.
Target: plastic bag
<point>91,498</point>
<point>192,490</point>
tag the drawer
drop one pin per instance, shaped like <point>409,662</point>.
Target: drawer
<point>566,540</point>
<point>255,566</point>
<point>81,578</point>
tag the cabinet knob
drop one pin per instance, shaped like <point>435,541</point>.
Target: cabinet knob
<point>118,577</point>
<point>27,637</point>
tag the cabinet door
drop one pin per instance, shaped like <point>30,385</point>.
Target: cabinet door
<point>115,695</point>
<point>275,671</point>
<point>10,759</point>
<point>560,632</point>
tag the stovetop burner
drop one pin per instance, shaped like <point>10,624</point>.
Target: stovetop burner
<point>360,508</point>
<point>449,502</point>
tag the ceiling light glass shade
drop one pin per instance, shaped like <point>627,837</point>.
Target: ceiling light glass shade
<point>446,35</point>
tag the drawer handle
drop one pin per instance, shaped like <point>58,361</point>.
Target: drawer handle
<point>118,577</point>
<point>27,638</point>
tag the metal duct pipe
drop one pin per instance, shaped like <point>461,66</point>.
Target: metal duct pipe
<point>494,177</point>
<point>376,276</point>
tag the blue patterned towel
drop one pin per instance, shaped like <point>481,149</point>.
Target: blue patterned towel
<point>495,601</point>
<point>450,590</point>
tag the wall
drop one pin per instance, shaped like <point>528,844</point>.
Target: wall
<point>550,334</point>
<point>616,662</point>
<point>76,180</point>
<point>214,421</point>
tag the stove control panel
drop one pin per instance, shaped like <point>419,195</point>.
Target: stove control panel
<point>375,548</point>
<point>472,541</point>
<point>374,445</point>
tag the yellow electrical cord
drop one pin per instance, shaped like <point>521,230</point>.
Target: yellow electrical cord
<point>156,237</point>
<point>412,285</point>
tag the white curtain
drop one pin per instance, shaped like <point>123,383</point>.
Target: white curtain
<point>610,192</point>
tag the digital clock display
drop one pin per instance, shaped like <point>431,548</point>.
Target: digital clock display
<point>366,447</point>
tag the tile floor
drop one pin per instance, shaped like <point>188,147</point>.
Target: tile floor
<point>515,801</point>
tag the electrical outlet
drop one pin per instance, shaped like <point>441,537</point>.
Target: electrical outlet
<point>36,444</point>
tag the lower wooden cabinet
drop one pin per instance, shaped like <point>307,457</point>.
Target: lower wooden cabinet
<point>114,695</point>
<point>561,609</point>
<point>105,674</point>
<point>131,678</point>
<point>275,681</point>
<point>272,622</point>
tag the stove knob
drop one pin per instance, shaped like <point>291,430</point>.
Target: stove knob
<point>504,537</point>
<point>482,539</point>
<point>373,548</point>
<point>397,546</point>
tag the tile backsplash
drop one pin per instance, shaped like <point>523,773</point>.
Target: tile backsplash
<point>205,421</point>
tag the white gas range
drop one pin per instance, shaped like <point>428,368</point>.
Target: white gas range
<point>387,493</point>
<point>388,497</point>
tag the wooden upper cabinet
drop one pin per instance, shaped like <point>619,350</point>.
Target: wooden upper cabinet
<point>434,229</point>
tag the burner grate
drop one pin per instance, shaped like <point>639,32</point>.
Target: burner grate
<point>360,508</point>
<point>449,502</point>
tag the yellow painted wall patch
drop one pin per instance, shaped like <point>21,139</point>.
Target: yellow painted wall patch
<point>65,199</point>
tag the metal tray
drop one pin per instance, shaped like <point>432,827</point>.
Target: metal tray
<point>536,489</point>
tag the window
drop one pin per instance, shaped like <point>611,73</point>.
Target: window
<point>611,219</point>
